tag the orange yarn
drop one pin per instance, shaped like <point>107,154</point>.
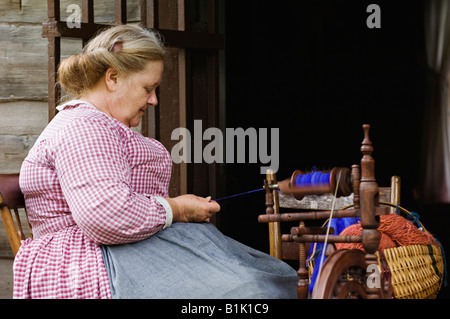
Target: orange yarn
<point>395,231</point>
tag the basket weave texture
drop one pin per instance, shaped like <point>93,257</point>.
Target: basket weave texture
<point>416,271</point>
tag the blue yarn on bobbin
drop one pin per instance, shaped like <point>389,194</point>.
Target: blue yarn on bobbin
<point>311,179</point>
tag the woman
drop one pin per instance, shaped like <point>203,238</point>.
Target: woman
<point>97,196</point>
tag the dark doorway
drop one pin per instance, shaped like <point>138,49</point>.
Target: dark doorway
<point>316,71</point>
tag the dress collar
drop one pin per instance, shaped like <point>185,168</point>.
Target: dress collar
<point>73,103</point>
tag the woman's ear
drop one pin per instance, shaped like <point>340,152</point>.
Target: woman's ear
<point>111,76</point>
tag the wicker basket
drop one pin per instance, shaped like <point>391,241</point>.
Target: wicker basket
<point>416,272</point>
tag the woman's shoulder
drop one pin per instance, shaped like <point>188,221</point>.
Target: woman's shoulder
<point>86,119</point>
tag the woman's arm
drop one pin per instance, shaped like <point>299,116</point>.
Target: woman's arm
<point>91,162</point>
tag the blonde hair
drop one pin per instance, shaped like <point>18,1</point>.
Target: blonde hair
<point>125,48</point>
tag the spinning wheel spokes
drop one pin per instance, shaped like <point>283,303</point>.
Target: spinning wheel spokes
<point>343,276</point>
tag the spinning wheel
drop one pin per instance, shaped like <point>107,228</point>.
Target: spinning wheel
<point>343,276</point>
<point>393,259</point>
<point>345,272</point>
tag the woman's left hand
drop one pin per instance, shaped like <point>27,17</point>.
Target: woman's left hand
<point>192,208</point>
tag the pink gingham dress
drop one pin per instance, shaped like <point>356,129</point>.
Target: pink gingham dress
<point>88,180</point>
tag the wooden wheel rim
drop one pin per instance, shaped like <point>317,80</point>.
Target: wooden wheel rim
<point>331,272</point>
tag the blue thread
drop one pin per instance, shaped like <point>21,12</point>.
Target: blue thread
<point>253,191</point>
<point>414,217</point>
<point>445,262</point>
<point>311,179</point>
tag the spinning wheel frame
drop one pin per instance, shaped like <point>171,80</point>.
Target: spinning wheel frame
<point>350,263</point>
<point>334,268</point>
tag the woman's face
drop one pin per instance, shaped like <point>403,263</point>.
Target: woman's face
<point>133,95</point>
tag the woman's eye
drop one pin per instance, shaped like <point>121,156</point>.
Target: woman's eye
<point>151,89</point>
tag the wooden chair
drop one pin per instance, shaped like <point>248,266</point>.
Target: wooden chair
<point>11,200</point>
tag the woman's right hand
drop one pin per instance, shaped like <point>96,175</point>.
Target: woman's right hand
<point>192,208</point>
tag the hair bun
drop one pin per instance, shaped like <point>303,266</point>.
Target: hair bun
<point>80,72</point>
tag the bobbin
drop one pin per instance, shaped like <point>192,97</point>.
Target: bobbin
<point>339,177</point>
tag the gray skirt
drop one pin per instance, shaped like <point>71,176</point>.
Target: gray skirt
<point>192,261</point>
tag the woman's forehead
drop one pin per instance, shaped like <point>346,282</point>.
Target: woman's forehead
<point>152,72</point>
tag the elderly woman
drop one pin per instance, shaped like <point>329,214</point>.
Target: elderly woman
<point>97,196</point>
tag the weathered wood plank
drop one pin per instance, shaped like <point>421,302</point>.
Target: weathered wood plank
<point>13,150</point>
<point>23,50</point>
<point>23,118</point>
<point>23,63</point>
<point>6,278</point>
<point>35,11</point>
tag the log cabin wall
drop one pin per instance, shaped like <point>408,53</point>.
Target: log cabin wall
<point>23,80</point>
<point>23,85</point>
<point>23,65</point>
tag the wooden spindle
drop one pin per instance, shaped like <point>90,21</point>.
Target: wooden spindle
<point>273,208</point>
<point>368,196</point>
<point>356,179</point>
<point>303,278</point>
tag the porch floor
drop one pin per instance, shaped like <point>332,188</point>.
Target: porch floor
<point>6,278</point>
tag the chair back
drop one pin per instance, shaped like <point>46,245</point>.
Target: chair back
<point>11,200</point>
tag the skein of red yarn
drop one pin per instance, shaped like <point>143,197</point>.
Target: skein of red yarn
<point>395,231</point>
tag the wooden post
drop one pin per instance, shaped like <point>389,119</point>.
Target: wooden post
<point>120,11</point>
<point>356,179</point>
<point>369,200</point>
<point>273,208</point>
<point>171,111</point>
<point>87,15</point>
<point>54,56</point>
<point>149,19</point>
<point>395,192</point>
<point>369,196</point>
<point>303,280</point>
<point>212,72</point>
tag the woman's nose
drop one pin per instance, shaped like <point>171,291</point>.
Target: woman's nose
<point>152,99</point>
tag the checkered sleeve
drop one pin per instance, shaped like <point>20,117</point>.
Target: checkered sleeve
<point>91,162</point>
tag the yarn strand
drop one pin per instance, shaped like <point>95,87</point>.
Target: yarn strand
<point>328,232</point>
<point>240,194</point>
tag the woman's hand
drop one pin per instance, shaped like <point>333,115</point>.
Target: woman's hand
<point>191,208</point>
